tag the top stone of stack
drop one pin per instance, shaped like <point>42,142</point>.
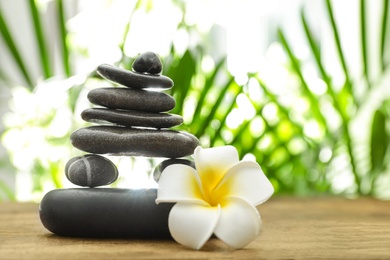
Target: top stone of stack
<point>147,73</point>
<point>148,62</point>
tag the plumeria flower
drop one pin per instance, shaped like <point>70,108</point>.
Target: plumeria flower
<point>219,198</point>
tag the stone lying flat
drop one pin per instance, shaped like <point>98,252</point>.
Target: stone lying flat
<point>91,170</point>
<point>147,62</point>
<point>134,142</point>
<point>133,79</point>
<point>105,212</point>
<point>132,99</point>
<point>131,118</point>
<point>164,164</point>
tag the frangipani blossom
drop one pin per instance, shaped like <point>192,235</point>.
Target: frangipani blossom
<point>219,198</point>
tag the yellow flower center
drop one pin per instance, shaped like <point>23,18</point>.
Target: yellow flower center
<point>212,195</point>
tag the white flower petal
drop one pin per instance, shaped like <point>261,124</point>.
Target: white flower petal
<point>213,163</point>
<point>192,224</point>
<point>179,182</point>
<point>239,223</point>
<point>245,180</point>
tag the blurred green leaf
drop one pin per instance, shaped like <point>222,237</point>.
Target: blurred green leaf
<point>223,117</point>
<point>56,172</point>
<point>215,106</point>
<point>127,26</point>
<point>63,37</point>
<point>379,141</point>
<point>182,77</point>
<point>210,82</point>
<point>384,33</point>
<point>363,37</point>
<point>314,48</point>
<point>340,53</point>
<point>325,76</point>
<point>9,41</point>
<point>315,106</point>
<point>7,191</point>
<point>39,35</point>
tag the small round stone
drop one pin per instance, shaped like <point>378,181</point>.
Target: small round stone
<point>91,170</point>
<point>164,164</point>
<point>147,62</point>
<point>131,118</point>
<point>120,141</point>
<point>132,99</point>
<point>132,79</point>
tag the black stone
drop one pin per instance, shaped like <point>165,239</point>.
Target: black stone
<point>164,164</point>
<point>134,142</point>
<point>91,170</point>
<point>148,62</point>
<point>132,99</point>
<point>105,213</point>
<point>131,118</point>
<point>133,79</point>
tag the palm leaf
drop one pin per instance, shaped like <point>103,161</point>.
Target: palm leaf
<point>313,100</point>
<point>284,111</point>
<point>44,56</point>
<point>383,33</point>
<point>221,95</point>
<point>206,89</point>
<point>316,53</point>
<point>378,145</point>
<point>244,127</point>
<point>183,74</point>
<point>363,35</point>
<point>63,37</point>
<point>340,53</point>
<point>217,133</point>
<point>9,41</point>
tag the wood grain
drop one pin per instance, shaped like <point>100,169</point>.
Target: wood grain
<point>319,228</point>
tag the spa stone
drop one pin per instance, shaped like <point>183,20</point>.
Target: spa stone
<point>91,170</point>
<point>118,141</point>
<point>164,164</point>
<point>132,99</point>
<point>131,118</point>
<point>147,62</point>
<point>133,79</point>
<point>105,213</point>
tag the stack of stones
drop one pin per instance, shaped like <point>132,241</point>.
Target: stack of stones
<point>137,122</point>
<point>133,121</point>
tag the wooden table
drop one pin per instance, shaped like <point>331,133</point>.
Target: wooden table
<point>320,228</point>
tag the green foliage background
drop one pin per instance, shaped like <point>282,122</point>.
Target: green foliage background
<point>288,155</point>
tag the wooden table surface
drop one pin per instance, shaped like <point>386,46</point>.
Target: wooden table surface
<point>320,228</point>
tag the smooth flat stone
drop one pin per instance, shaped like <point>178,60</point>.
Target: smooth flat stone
<point>164,164</point>
<point>91,170</point>
<point>132,99</point>
<point>134,142</point>
<point>131,118</point>
<point>105,213</point>
<point>133,79</point>
<point>147,62</point>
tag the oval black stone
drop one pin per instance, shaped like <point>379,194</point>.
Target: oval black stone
<point>133,79</point>
<point>91,170</point>
<point>105,213</point>
<point>132,99</point>
<point>164,164</point>
<point>148,62</point>
<point>115,140</point>
<point>131,118</point>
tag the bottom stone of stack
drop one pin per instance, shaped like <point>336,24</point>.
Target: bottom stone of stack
<point>105,213</point>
